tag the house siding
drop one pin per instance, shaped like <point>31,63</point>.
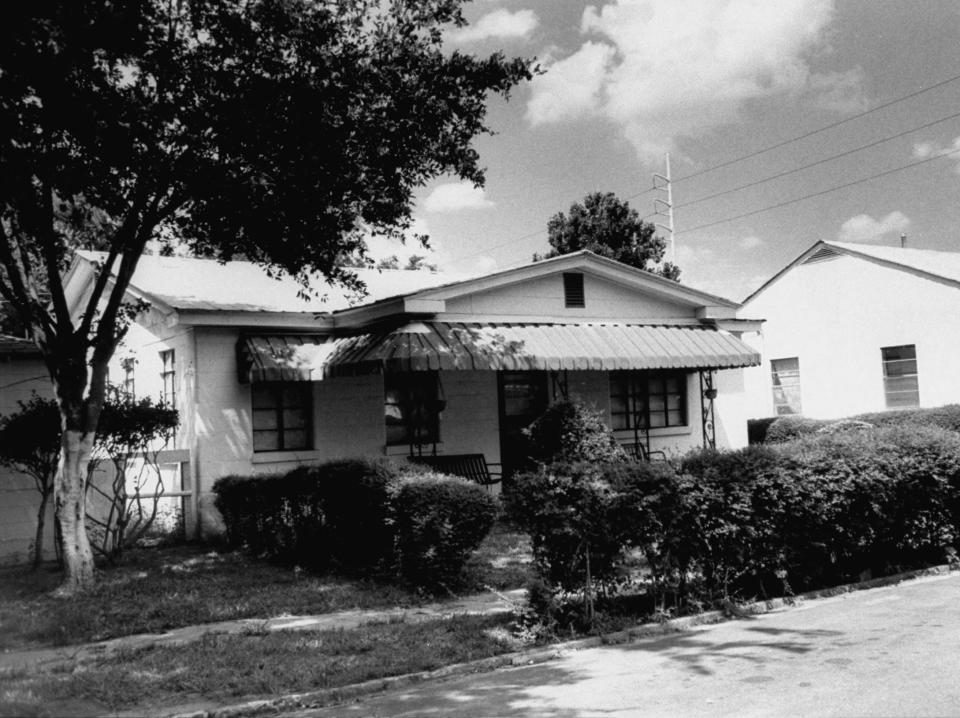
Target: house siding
<point>835,315</point>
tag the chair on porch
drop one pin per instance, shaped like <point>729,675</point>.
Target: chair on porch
<point>469,466</point>
<point>639,451</point>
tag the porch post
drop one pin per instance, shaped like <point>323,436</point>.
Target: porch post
<point>707,394</point>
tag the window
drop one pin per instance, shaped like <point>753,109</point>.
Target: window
<point>573,290</point>
<point>648,399</point>
<point>785,378</point>
<point>168,376</point>
<point>412,408</point>
<point>901,386</point>
<point>282,416</point>
<point>129,387</point>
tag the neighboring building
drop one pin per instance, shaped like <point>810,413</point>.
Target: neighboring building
<point>265,379</point>
<point>22,373</point>
<point>853,328</point>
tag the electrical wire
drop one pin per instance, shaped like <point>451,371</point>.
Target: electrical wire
<point>818,194</point>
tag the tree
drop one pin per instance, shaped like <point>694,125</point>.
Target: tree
<point>283,131</point>
<point>611,228</point>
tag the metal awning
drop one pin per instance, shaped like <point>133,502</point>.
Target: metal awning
<point>297,357</point>
<point>423,346</point>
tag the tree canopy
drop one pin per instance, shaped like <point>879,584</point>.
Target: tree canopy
<point>283,131</point>
<point>611,228</point>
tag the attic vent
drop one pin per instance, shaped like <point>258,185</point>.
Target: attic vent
<point>573,290</point>
<point>822,254</point>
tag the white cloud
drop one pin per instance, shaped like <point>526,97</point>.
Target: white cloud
<point>751,242</point>
<point>499,24</point>
<point>864,228</point>
<point>456,196</point>
<point>924,150</point>
<point>665,68</point>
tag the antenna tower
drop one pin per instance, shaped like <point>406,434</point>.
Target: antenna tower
<point>664,208</point>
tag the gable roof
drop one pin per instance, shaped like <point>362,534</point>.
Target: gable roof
<point>191,284</point>
<point>929,263</point>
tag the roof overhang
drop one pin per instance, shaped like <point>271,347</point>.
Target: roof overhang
<point>451,346</point>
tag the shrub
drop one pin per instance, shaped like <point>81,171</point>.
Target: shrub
<point>440,520</point>
<point>757,429</point>
<point>791,427</point>
<point>568,431</point>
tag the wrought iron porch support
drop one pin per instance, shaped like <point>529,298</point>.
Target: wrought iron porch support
<point>707,394</point>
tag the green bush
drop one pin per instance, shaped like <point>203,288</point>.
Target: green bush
<point>440,521</point>
<point>569,431</point>
<point>778,430</point>
<point>792,427</point>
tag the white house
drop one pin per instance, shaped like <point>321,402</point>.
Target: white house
<point>853,328</point>
<point>265,379</point>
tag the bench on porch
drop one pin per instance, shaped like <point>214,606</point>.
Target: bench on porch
<point>469,466</point>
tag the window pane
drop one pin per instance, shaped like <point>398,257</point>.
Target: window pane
<point>900,367</point>
<point>674,418</point>
<point>266,440</point>
<point>295,419</point>
<point>901,384</point>
<point>264,419</point>
<point>264,397</point>
<point>673,402</point>
<point>906,351</point>
<point>295,439</point>
<point>657,420</point>
<point>294,395</point>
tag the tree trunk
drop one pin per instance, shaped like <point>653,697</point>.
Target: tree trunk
<point>70,501</point>
<point>41,519</point>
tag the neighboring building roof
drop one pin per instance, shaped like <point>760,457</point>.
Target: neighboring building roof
<point>10,346</point>
<point>934,264</point>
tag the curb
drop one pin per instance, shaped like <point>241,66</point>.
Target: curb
<point>330,696</point>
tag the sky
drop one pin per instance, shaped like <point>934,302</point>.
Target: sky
<point>713,83</point>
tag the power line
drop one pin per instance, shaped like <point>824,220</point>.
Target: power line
<point>818,162</point>
<point>819,130</point>
<point>818,194</point>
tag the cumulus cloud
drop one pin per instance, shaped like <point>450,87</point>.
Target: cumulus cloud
<point>500,24</point>
<point>665,68</point>
<point>864,228</point>
<point>456,196</point>
<point>924,150</point>
<point>751,242</point>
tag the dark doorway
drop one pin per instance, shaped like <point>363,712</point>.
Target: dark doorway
<point>523,397</point>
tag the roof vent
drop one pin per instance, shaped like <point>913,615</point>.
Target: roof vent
<point>822,254</point>
<point>573,290</point>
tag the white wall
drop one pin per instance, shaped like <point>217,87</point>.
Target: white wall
<point>603,299</point>
<point>835,315</point>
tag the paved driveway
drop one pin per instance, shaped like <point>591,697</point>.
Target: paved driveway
<point>891,651</point>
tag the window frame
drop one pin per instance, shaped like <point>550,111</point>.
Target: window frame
<point>417,405</point>
<point>128,365</point>
<point>168,373</point>
<point>889,379</point>
<point>777,382</point>
<point>637,399</point>
<point>277,393</point>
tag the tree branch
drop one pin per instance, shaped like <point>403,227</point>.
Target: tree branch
<point>51,257</point>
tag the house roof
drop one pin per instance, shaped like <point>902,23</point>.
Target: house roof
<point>184,283</point>
<point>933,264</point>
<point>188,283</point>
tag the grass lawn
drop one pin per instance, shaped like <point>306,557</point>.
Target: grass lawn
<point>154,590</point>
<point>231,668</point>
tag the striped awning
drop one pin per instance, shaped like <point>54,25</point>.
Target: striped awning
<point>423,346</point>
<point>298,357</point>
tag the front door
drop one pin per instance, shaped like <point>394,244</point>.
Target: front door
<point>523,398</point>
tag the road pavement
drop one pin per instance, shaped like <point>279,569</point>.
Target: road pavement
<point>892,651</point>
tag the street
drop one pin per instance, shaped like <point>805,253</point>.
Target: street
<point>891,651</point>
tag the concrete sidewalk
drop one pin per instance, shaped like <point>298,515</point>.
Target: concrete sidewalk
<point>50,659</point>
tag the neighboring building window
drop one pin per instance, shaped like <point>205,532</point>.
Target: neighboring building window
<point>168,376</point>
<point>648,399</point>
<point>901,385</point>
<point>282,416</point>
<point>573,290</point>
<point>129,387</point>
<point>785,378</point>
<point>412,408</point>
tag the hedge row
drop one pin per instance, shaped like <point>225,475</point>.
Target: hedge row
<point>359,516</point>
<point>758,521</point>
<point>777,430</point>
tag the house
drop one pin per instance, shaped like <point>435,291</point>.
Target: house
<point>853,328</point>
<point>265,378</point>
<point>22,373</point>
